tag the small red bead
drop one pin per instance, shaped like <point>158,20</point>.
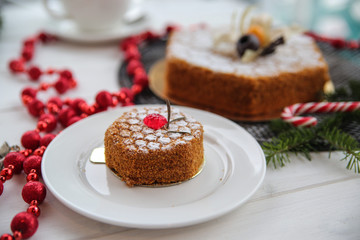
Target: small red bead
<point>39,152</point>
<point>136,89</point>
<point>61,85</point>
<point>2,179</point>
<point>25,223</point>
<point>44,86</point>
<point>31,139</point>
<point>32,177</point>
<point>46,139</point>
<point>7,173</point>
<point>16,66</point>
<point>36,107</point>
<point>103,99</point>
<point>6,236</point>
<point>34,73</point>
<point>15,159</point>
<point>1,187</point>
<point>34,202</point>
<point>33,191</point>
<point>26,152</point>
<point>32,162</point>
<point>124,94</point>
<point>17,235</point>
<point>132,65</point>
<point>35,210</point>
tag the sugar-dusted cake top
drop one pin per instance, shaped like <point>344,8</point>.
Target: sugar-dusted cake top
<point>197,47</point>
<point>130,130</point>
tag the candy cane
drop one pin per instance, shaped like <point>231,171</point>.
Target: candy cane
<point>291,113</point>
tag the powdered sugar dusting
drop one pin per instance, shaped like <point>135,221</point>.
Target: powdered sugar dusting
<point>139,137</point>
<point>196,47</point>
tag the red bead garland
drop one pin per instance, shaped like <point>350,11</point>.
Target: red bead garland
<point>55,110</point>
<point>338,43</point>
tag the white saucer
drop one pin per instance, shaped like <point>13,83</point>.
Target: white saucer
<point>234,170</point>
<point>67,30</point>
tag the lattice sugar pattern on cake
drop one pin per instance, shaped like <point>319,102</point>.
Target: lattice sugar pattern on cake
<point>197,48</point>
<point>131,131</point>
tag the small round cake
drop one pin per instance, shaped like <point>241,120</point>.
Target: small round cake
<point>141,155</point>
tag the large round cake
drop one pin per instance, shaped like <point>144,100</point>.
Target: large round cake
<point>200,75</point>
<point>141,155</point>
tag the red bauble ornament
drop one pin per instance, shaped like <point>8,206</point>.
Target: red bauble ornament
<point>62,85</point>
<point>155,121</point>
<point>1,187</point>
<point>34,73</point>
<point>29,92</point>
<point>46,139</point>
<point>16,66</point>
<point>104,99</point>
<point>74,120</point>
<point>133,65</point>
<point>33,191</point>
<point>124,94</point>
<point>132,53</point>
<point>32,162</point>
<point>16,159</point>
<point>76,105</point>
<point>31,139</point>
<point>36,107</point>
<point>141,79</point>
<point>27,53</point>
<point>25,223</point>
<point>49,121</point>
<point>65,114</point>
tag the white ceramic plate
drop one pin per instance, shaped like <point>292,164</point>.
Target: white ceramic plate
<point>234,169</point>
<point>67,30</point>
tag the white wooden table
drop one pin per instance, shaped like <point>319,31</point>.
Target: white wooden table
<point>304,200</point>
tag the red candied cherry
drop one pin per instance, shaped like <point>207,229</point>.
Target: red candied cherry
<point>155,121</point>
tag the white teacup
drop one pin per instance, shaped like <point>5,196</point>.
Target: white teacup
<point>91,15</point>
